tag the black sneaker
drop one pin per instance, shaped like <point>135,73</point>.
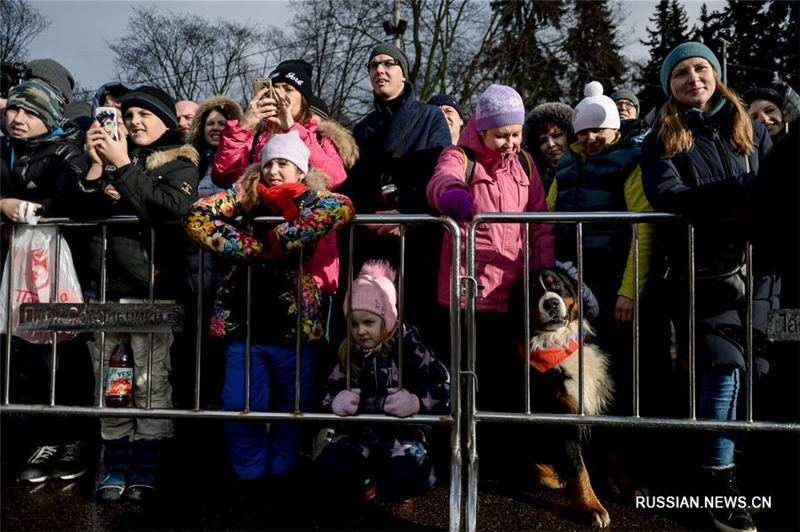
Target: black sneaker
<point>723,482</point>
<point>71,463</point>
<point>733,520</point>
<point>40,464</point>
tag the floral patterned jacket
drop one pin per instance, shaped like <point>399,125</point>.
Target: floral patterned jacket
<point>272,251</point>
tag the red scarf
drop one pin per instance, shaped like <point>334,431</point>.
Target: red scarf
<point>546,358</point>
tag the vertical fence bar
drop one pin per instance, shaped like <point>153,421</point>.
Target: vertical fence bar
<point>198,334</point>
<point>526,314</point>
<point>579,263</point>
<point>456,469</point>
<point>248,338</point>
<point>471,411</point>
<point>635,228</point>
<point>54,299</point>
<point>9,321</point>
<point>692,368</point>
<point>748,261</point>
<point>151,295</point>
<point>401,306</point>
<point>348,317</point>
<point>101,375</point>
<point>298,350</point>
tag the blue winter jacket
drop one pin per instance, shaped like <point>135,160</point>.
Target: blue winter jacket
<point>378,137</point>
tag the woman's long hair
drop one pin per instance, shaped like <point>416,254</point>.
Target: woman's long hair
<point>677,138</point>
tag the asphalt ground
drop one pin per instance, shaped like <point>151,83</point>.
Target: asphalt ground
<point>198,492</point>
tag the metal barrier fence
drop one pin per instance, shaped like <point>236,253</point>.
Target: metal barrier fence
<point>470,416</point>
<point>453,420</point>
<point>474,416</point>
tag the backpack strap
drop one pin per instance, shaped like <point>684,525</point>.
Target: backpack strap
<point>526,161</point>
<point>469,164</point>
<point>524,158</point>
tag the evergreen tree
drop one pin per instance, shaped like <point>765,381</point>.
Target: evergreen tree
<point>592,50</point>
<point>669,29</point>
<point>781,46</point>
<point>744,28</point>
<point>519,56</point>
<point>707,32</point>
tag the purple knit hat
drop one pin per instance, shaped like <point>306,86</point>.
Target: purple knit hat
<point>498,106</point>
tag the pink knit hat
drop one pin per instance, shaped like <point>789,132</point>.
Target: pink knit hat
<point>374,291</point>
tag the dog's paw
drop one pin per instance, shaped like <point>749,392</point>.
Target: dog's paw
<point>600,518</point>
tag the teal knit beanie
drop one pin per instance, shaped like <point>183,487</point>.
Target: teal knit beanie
<point>685,51</point>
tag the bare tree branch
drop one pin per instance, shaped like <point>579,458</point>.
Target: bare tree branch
<point>21,24</point>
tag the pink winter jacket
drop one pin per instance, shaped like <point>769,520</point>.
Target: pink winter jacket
<point>233,158</point>
<point>499,184</point>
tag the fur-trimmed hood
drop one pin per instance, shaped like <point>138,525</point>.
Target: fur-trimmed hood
<point>342,138</point>
<point>226,105</point>
<point>162,157</point>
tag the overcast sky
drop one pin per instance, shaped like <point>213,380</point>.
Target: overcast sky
<point>79,31</point>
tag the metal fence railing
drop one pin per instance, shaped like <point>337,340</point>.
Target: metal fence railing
<point>475,416</point>
<point>461,420</point>
<point>453,420</point>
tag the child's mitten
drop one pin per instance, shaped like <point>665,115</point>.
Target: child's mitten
<point>401,403</point>
<point>456,203</point>
<point>346,402</point>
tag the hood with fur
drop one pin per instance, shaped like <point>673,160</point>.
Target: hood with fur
<point>226,105</point>
<point>342,138</point>
<point>162,157</point>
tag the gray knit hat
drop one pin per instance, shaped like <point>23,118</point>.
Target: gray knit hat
<point>625,94</point>
<point>54,74</point>
<point>392,51</point>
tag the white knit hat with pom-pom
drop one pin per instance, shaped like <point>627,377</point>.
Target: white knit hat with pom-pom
<point>595,110</point>
<point>374,291</point>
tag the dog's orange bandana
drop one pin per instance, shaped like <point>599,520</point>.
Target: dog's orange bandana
<point>545,359</point>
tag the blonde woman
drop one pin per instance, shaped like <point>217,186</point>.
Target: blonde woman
<point>701,160</point>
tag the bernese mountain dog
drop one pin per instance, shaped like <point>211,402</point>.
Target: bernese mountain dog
<point>554,362</point>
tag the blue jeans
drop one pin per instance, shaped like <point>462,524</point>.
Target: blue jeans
<point>255,452</point>
<point>719,391</point>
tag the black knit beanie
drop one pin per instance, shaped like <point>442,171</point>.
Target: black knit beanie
<point>763,93</point>
<point>392,51</point>
<point>154,100</point>
<point>297,73</point>
<point>319,107</point>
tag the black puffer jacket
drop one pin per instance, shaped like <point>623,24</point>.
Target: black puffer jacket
<point>708,184</point>
<point>157,187</point>
<point>44,169</point>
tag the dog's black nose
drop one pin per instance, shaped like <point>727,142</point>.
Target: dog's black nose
<point>550,304</point>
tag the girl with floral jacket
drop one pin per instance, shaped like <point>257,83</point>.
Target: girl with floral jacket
<point>282,186</point>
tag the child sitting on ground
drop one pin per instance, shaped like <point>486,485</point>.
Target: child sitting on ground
<point>389,460</point>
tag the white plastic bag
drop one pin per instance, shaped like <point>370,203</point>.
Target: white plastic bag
<point>33,258</point>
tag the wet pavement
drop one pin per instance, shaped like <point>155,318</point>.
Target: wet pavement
<point>199,493</point>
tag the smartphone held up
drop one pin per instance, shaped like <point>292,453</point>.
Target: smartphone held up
<point>260,83</point>
<point>107,118</point>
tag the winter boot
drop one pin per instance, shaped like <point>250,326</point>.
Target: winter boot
<point>40,464</point>
<point>71,462</point>
<point>147,458</point>
<point>731,517</point>
<point>117,456</point>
